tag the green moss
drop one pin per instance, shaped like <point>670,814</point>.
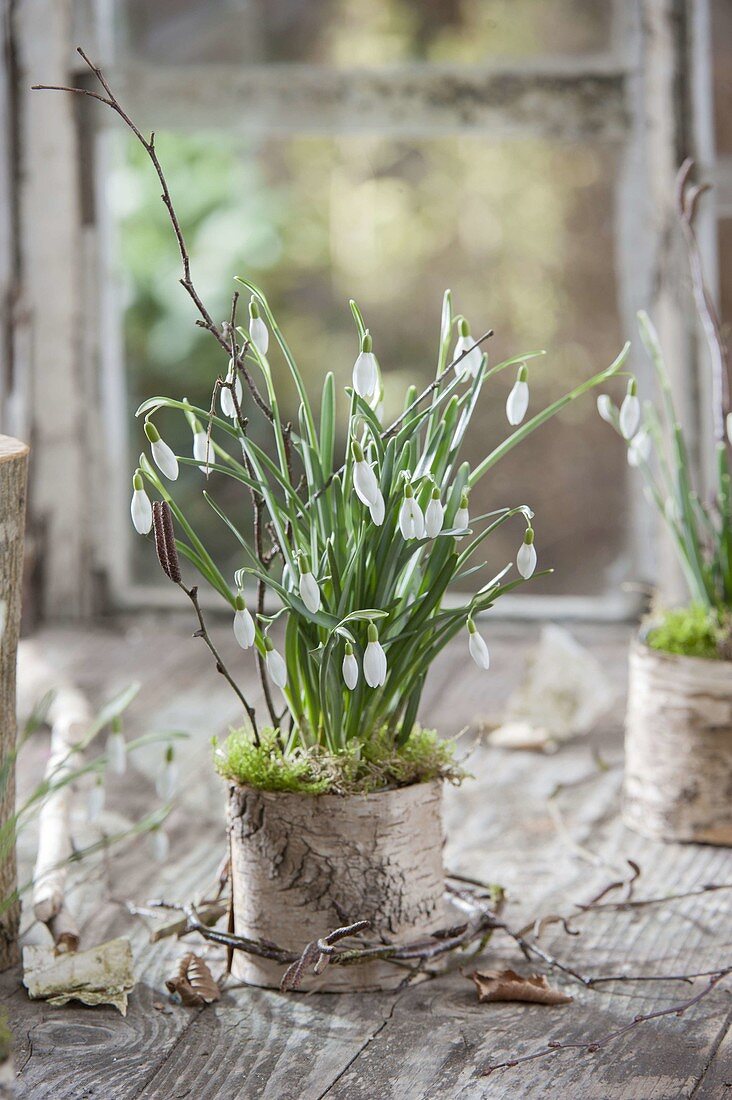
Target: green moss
<point>694,631</point>
<point>378,764</point>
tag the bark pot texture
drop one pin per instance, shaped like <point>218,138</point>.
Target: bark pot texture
<point>678,747</point>
<point>303,865</point>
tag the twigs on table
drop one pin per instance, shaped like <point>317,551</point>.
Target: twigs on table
<point>640,903</point>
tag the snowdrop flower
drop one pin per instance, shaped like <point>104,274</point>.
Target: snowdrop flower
<point>228,408</point>
<point>159,844</point>
<point>364,478</point>
<point>163,457</point>
<point>605,407</point>
<point>434,515</point>
<point>116,750</point>
<point>166,780</point>
<point>140,506</point>
<point>374,660</point>
<point>640,448</point>
<point>202,449</point>
<point>518,399</point>
<point>309,591</point>
<point>729,426</point>
<point>95,800</point>
<point>258,331</point>
<point>630,411</point>
<point>377,510</point>
<point>350,668</point>
<point>462,516</point>
<point>469,366</point>
<point>276,666</point>
<point>411,520</point>
<point>478,648</point>
<point>365,369</point>
<point>243,623</point>
<point>526,557</point>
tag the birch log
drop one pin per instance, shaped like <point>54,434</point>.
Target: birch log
<point>13,480</point>
<point>303,865</point>
<point>678,747</point>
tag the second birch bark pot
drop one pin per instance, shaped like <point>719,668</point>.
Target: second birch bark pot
<point>678,747</point>
<point>303,865</point>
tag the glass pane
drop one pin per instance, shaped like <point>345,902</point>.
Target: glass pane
<point>522,233</point>
<point>722,73</point>
<point>354,33</point>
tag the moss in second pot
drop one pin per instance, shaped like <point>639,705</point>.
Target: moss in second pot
<point>693,631</point>
<point>375,765</point>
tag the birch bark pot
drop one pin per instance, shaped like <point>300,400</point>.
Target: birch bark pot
<point>303,865</point>
<point>678,747</point>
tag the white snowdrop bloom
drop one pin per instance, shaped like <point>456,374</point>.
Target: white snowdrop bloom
<point>226,399</point>
<point>364,478</point>
<point>309,592</point>
<point>243,623</point>
<point>365,369</point>
<point>640,448</point>
<point>729,426</point>
<point>462,516</point>
<point>140,506</point>
<point>258,331</point>
<point>377,510</point>
<point>605,407</point>
<point>469,366</point>
<point>276,666</point>
<point>526,557</point>
<point>202,450</point>
<point>630,411</point>
<point>95,800</point>
<point>518,399</point>
<point>166,781</point>
<point>434,515</point>
<point>159,844</point>
<point>478,648</point>
<point>116,750</point>
<point>350,668</point>
<point>411,520</point>
<point>374,660</point>
<point>163,456</point>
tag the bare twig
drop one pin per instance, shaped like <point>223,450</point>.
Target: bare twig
<point>640,903</point>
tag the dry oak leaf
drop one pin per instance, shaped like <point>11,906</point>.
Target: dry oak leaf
<point>194,982</point>
<point>507,985</point>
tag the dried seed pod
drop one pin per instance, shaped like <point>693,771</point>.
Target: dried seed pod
<point>193,983</point>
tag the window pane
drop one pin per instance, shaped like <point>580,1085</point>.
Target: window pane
<point>521,232</point>
<point>352,33</point>
<point>722,73</point>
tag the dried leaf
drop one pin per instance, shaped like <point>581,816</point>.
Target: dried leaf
<point>507,985</point>
<point>194,983</point>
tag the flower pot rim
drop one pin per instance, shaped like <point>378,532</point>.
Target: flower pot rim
<point>640,645</point>
<point>434,782</point>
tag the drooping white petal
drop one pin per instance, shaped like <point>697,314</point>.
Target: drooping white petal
<point>479,651</point>
<point>166,780</point>
<point>202,451</point>
<point>228,408</point>
<point>350,671</point>
<point>276,668</point>
<point>469,366</point>
<point>729,426</point>
<point>164,459</point>
<point>310,593</point>
<point>365,374</point>
<point>434,517</point>
<point>374,665</point>
<point>517,402</point>
<point>411,520</point>
<point>95,801</point>
<point>244,628</point>
<point>365,483</point>
<point>605,407</point>
<point>116,753</point>
<point>526,560</point>
<point>377,510</point>
<point>160,845</point>
<point>462,519</point>
<point>259,334</point>
<point>630,414</point>
<point>640,448</point>
<point>141,512</point>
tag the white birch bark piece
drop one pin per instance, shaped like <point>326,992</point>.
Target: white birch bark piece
<point>303,865</point>
<point>100,975</point>
<point>678,747</point>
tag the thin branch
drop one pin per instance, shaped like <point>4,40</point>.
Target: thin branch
<point>640,903</point>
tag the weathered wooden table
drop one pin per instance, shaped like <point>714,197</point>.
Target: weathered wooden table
<point>549,848</point>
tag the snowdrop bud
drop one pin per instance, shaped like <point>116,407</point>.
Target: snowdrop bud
<point>202,450</point>
<point>258,331</point>
<point>469,366</point>
<point>166,780</point>
<point>243,623</point>
<point>478,648</point>
<point>630,411</point>
<point>364,478</point>
<point>434,515</point>
<point>309,592</point>
<point>639,450</point>
<point>228,407</point>
<point>116,750</point>
<point>140,506</point>
<point>605,407</point>
<point>729,426</point>
<point>518,399</point>
<point>95,800</point>
<point>377,510</point>
<point>462,516</point>
<point>365,370</point>
<point>374,660</point>
<point>350,668</point>
<point>411,520</point>
<point>526,557</point>
<point>163,457</point>
<point>275,665</point>
<point>159,844</point>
